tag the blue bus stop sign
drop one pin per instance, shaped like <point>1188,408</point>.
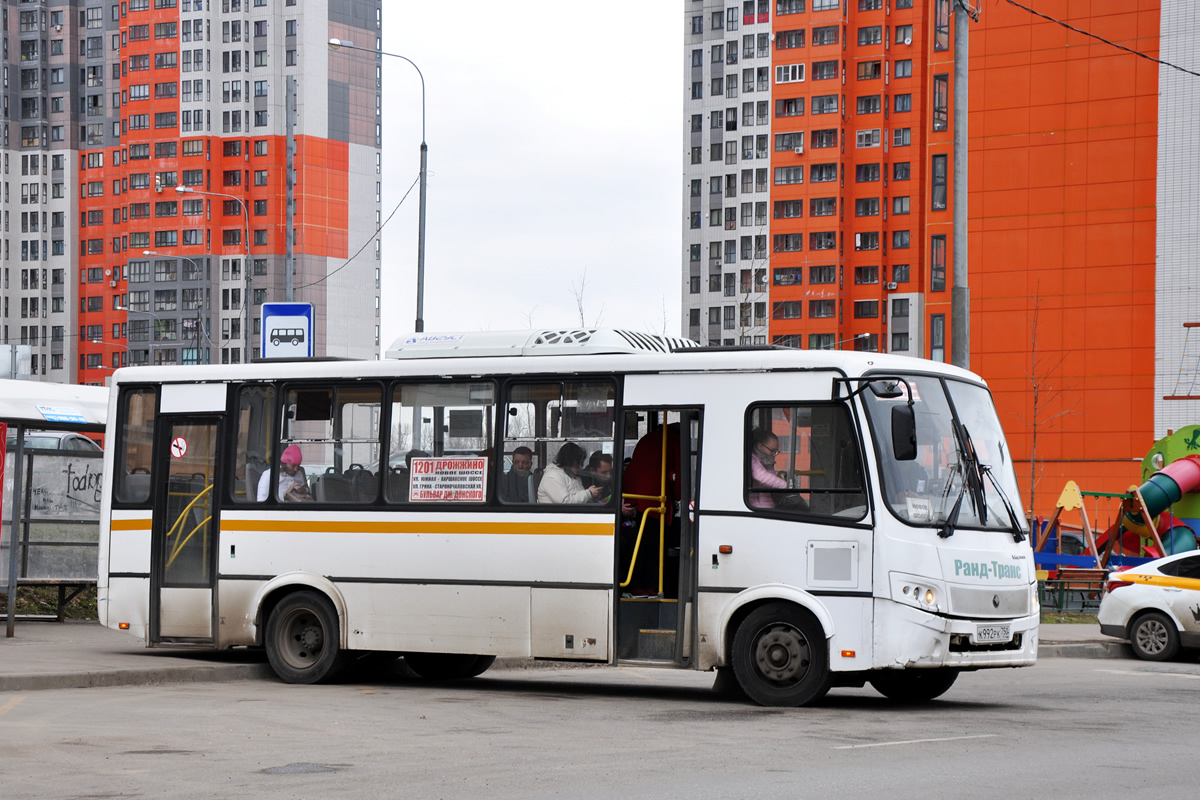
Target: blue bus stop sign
<point>287,330</point>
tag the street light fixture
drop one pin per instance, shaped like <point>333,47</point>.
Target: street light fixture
<point>337,44</point>
<point>245,265</point>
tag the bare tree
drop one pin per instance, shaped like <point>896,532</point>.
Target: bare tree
<point>578,291</point>
<point>529,317</point>
<point>1044,394</point>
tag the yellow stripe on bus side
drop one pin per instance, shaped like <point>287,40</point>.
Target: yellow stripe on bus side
<point>348,526</point>
<point>1167,581</point>
<point>129,524</point>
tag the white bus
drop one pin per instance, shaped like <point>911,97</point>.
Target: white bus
<point>806,519</point>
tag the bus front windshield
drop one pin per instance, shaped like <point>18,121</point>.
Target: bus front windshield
<point>963,474</point>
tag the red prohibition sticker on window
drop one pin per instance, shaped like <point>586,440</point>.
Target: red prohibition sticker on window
<point>178,447</point>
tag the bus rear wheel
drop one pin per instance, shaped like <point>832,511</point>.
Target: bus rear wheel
<point>780,657</point>
<point>302,639</point>
<point>448,666</point>
<point>912,686</point>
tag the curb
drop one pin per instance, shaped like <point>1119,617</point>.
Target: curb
<point>1096,649</point>
<point>134,677</point>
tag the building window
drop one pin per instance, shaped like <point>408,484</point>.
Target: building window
<point>899,342</point>
<point>866,241</point>
<point>825,104</point>
<point>901,137</point>
<point>937,337</point>
<point>823,173</point>
<point>821,309</point>
<point>789,175</point>
<point>938,188</point>
<point>870,35</point>
<point>869,104</point>
<point>789,73</point>
<point>788,242</point>
<point>866,309</point>
<point>789,276</point>
<point>822,207</point>
<point>903,102</point>
<point>900,273</point>
<point>937,263</point>
<point>900,240</point>
<point>901,171</point>
<point>941,24</point>
<point>900,205</point>
<point>789,209</point>
<point>866,275</point>
<point>824,274</point>
<point>866,173</point>
<point>870,70</point>
<point>827,34</point>
<point>867,138</point>
<point>788,40</point>
<point>822,240</point>
<point>904,34</point>
<point>789,309</point>
<point>941,102</point>
<point>866,207</point>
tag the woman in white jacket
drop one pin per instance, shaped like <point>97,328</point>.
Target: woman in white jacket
<point>560,483</point>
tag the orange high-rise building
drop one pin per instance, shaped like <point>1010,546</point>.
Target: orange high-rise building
<point>151,139</point>
<point>819,206</point>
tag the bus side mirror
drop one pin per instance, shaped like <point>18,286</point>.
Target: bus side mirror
<point>904,433</point>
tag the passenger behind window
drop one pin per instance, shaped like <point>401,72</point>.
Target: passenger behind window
<point>518,484</point>
<point>561,484</point>
<point>293,483</point>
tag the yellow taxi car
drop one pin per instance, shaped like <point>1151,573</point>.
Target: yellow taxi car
<point>1155,606</point>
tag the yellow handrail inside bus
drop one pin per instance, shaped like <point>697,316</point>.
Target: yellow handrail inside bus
<point>661,511</point>
<point>179,524</point>
<point>185,539</point>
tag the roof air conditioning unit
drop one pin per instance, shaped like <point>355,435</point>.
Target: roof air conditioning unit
<point>891,286</point>
<point>800,150</point>
<point>113,284</point>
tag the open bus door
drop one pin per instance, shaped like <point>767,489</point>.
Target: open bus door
<point>656,580</point>
<point>183,566</point>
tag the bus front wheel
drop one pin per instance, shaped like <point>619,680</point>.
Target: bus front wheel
<point>913,685</point>
<point>448,666</point>
<point>302,639</point>
<point>780,657</point>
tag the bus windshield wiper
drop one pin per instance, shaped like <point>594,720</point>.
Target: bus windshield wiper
<point>1017,534</point>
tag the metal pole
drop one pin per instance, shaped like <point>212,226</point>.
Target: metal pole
<point>960,294</point>
<point>289,263</point>
<point>420,325</point>
<point>13,539</point>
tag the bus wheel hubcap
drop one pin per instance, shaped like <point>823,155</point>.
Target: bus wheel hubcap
<point>782,654</point>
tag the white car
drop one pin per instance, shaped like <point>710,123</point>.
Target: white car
<point>1155,606</point>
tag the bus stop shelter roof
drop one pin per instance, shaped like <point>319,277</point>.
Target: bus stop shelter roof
<point>53,406</point>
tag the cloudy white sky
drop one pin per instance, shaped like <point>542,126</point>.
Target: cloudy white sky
<point>554,152</point>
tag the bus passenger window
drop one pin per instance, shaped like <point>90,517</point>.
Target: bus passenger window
<point>336,431</point>
<point>255,442</point>
<point>136,456</point>
<point>804,460</point>
<point>558,443</point>
<point>440,443</point>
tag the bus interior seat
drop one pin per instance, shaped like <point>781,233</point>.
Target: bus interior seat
<point>136,486</point>
<point>255,467</point>
<point>332,488</point>
<point>364,483</point>
<point>396,488</point>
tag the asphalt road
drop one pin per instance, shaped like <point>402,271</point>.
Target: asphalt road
<point>1067,728</point>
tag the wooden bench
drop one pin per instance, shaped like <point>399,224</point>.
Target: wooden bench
<point>1089,583</point>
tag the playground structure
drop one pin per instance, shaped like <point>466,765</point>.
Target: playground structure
<point>1150,521</point>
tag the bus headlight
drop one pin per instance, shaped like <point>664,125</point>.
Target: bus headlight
<point>923,593</point>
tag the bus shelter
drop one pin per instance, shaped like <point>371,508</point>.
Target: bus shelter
<point>51,488</point>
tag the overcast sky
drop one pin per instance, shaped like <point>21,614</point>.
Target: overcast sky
<point>554,149</point>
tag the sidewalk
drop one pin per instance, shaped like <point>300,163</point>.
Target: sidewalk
<point>75,655</point>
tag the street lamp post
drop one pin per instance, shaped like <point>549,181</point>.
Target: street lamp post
<point>199,316</point>
<point>245,265</point>
<point>420,321</point>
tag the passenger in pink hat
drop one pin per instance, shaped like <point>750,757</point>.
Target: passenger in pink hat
<point>293,483</point>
